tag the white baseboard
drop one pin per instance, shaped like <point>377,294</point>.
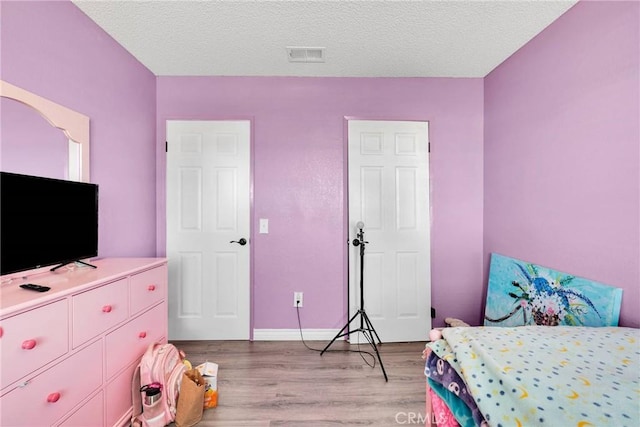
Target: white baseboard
<point>294,334</point>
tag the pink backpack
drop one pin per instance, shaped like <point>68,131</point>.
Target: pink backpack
<point>155,386</point>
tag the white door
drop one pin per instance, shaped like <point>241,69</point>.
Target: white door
<point>389,193</point>
<point>208,203</point>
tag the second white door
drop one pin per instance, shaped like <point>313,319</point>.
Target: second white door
<point>389,193</point>
<point>208,226</point>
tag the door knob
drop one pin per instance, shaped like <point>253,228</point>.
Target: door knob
<point>241,242</point>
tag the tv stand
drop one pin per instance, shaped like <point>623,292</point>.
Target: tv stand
<point>65,263</point>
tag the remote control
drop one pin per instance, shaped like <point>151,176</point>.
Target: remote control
<point>37,288</point>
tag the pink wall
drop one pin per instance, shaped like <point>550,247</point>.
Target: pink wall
<point>299,181</point>
<point>52,49</point>
<point>561,157</point>
<point>562,150</point>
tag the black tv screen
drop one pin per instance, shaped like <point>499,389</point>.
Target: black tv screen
<point>45,221</point>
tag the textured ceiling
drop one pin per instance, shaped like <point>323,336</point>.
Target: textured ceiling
<point>467,38</point>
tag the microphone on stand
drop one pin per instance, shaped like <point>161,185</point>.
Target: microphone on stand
<point>366,327</point>
<point>360,236</point>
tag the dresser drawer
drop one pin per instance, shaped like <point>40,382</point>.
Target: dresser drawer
<point>46,398</point>
<point>97,310</point>
<point>90,414</point>
<point>32,339</point>
<point>148,288</point>
<point>118,403</point>
<point>127,343</point>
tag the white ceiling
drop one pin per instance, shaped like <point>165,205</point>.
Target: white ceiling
<point>429,38</point>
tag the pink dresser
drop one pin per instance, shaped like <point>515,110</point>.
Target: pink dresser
<point>68,355</point>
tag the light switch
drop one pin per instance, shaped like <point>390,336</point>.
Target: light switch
<point>264,226</point>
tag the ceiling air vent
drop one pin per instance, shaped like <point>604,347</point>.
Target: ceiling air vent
<point>305,54</point>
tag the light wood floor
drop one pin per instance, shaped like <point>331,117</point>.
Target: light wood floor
<point>285,384</point>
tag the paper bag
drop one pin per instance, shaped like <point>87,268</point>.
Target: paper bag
<point>190,400</point>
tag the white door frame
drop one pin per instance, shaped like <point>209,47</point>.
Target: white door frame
<point>251,121</point>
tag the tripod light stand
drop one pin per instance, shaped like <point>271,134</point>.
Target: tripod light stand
<point>366,327</point>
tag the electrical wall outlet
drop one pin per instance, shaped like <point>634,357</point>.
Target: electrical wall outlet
<point>297,299</point>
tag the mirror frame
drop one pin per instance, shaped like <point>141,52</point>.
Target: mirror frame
<point>74,125</point>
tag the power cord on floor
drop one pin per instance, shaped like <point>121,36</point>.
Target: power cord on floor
<point>360,352</point>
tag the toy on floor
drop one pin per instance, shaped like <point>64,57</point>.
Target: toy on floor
<point>436,333</point>
<point>455,323</point>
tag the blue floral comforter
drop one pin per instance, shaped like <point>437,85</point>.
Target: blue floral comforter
<point>548,376</point>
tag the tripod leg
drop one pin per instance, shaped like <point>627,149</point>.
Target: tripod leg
<point>370,326</point>
<point>340,334</point>
<point>373,332</point>
<point>375,347</point>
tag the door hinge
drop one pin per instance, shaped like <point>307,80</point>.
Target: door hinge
<point>166,147</point>
<point>429,147</point>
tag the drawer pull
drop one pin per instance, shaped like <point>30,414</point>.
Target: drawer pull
<point>152,287</point>
<point>53,397</point>
<point>28,344</point>
<point>142,335</point>
<point>106,309</point>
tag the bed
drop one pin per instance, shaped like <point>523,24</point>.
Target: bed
<point>534,376</point>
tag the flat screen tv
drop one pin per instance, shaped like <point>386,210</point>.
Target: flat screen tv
<point>45,222</point>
